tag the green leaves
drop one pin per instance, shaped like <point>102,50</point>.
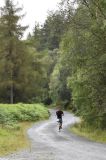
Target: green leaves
<point>11,114</point>
<point>83,53</point>
<point>16,70</point>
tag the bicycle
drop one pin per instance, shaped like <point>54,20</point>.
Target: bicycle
<point>60,124</point>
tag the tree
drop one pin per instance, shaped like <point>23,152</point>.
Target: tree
<point>83,48</point>
<point>48,36</point>
<point>12,49</point>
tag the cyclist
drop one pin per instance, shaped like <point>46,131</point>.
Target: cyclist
<point>59,114</point>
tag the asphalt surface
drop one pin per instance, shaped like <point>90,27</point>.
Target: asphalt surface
<point>47,143</point>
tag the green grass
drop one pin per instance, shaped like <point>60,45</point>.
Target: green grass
<point>12,140</point>
<point>14,120</point>
<point>91,134</point>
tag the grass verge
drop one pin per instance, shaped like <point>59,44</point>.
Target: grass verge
<point>91,134</point>
<point>12,140</point>
<point>14,121</point>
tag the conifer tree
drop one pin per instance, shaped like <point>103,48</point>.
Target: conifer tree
<point>11,48</point>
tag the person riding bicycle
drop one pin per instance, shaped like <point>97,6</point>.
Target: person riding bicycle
<point>59,114</point>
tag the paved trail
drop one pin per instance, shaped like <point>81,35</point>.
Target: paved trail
<point>49,144</point>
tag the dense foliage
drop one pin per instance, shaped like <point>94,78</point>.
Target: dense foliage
<point>79,74</point>
<point>63,60</point>
<point>22,75</point>
<point>84,49</point>
<point>10,114</point>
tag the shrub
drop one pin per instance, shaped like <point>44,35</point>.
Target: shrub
<point>10,114</point>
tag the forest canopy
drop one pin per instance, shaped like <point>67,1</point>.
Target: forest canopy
<point>62,61</point>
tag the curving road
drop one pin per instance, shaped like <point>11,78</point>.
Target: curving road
<point>49,144</point>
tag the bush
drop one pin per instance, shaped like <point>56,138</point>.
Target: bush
<point>11,114</point>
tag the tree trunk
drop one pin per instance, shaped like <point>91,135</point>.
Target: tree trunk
<point>11,94</point>
<point>11,89</point>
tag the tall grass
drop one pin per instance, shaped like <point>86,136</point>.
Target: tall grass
<point>93,134</point>
<point>14,120</point>
<point>13,140</point>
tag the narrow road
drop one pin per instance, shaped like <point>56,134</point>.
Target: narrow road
<point>49,144</point>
